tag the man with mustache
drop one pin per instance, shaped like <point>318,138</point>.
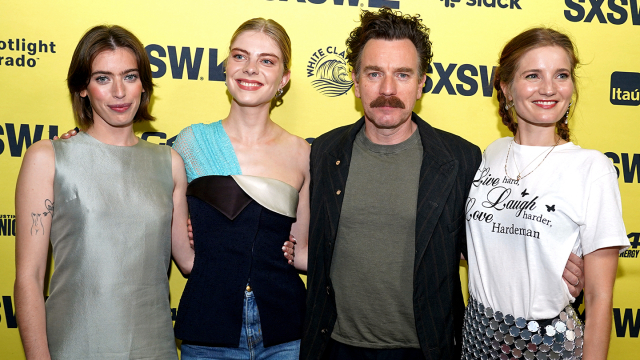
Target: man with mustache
<point>387,211</point>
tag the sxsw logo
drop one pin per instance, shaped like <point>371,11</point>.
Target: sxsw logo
<point>618,14</point>
<point>393,4</point>
<point>630,165</point>
<point>503,4</point>
<point>184,60</point>
<point>625,88</point>
<point>9,315</point>
<point>19,136</point>
<point>626,321</point>
<point>471,79</point>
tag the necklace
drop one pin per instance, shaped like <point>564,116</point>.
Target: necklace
<point>520,176</point>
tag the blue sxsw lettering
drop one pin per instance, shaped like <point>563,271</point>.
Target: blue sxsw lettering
<point>617,16</point>
<point>24,138</point>
<point>623,322</point>
<point>466,74</point>
<point>184,61</point>
<point>630,169</point>
<point>393,4</point>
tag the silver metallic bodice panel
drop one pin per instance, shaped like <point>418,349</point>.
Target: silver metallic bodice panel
<point>273,194</point>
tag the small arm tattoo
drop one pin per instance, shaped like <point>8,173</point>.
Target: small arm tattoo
<point>36,218</point>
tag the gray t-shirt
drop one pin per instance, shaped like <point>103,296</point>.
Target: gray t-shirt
<point>372,266</point>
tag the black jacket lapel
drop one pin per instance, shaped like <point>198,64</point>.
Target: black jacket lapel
<point>437,176</point>
<point>335,165</point>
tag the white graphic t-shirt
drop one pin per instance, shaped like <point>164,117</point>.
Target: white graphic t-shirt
<point>520,232</point>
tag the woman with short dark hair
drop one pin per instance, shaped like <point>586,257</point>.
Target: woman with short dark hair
<point>115,198</point>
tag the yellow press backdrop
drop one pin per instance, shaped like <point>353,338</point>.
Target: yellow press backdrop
<point>187,42</point>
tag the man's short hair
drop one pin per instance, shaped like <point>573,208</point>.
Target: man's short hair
<point>389,25</point>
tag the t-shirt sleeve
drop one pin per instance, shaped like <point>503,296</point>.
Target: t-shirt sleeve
<point>184,145</point>
<point>603,225</point>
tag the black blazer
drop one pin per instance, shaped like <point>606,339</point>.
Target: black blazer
<point>448,167</point>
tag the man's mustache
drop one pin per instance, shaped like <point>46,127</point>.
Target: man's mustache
<point>387,101</point>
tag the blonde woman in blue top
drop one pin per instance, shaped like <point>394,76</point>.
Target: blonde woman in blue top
<point>249,188</point>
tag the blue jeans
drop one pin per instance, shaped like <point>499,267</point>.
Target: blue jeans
<point>251,347</point>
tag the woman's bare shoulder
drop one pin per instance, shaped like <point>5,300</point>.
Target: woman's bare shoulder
<point>40,152</point>
<point>298,145</point>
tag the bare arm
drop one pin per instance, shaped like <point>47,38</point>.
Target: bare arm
<point>600,273</point>
<point>181,250</point>
<point>300,229</point>
<point>34,210</point>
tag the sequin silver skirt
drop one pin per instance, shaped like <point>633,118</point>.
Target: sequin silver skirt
<point>489,334</point>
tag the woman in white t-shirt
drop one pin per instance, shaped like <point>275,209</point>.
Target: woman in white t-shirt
<point>536,199</point>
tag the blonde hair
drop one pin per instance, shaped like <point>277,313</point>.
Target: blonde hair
<point>273,30</point>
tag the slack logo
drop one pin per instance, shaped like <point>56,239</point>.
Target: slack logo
<point>625,88</point>
<point>507,4</point>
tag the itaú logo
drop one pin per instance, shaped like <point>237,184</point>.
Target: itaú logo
<point>502,4</point>
<point>625,88</point>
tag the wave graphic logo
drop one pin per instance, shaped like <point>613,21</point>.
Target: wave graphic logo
<point>329,70</point>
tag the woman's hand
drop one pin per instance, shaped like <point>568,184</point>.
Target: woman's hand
<point>68,134</point>
<point>573,274</point>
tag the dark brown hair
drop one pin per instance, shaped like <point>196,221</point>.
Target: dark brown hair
<point>389,25</point>
<point>95,41</point>
<point>510,60</point>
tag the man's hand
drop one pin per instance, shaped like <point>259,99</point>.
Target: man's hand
<point>68,134</point>
<point>289,249</point>
<point>573,274</point>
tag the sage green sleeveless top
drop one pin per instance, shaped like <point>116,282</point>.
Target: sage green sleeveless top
<point>111,238</point>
